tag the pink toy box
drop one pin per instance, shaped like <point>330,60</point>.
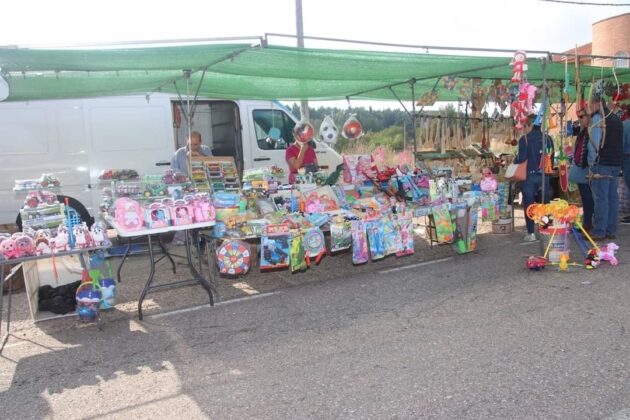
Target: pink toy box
<point>129,214</point>
<point>181,213</point>
<point>157,215</point>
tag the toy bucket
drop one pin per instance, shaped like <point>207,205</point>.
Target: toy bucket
<point>557,244</point>
<point>88,298</point>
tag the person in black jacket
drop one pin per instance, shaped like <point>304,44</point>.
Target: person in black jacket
<point>605,160</point>
<point>530,147</point>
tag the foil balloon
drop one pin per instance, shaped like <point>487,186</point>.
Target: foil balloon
<point>304,131</point>
<point>352,128</point>
<point>328,131</point>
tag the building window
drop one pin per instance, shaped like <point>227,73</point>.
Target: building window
<point>622,60</point>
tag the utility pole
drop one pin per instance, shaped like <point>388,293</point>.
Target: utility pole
<point>300,43</point>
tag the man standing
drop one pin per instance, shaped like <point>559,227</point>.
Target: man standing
<point>179,161</point>
<point>626,161</point>
<point>605,158</point>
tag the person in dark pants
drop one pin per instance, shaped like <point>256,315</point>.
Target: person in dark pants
<point>626,161</point>
<point>578,172</point>
<point>530,147</point>
<point>605,158</point>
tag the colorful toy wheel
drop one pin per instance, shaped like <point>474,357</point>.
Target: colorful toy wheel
<point>233,257</point>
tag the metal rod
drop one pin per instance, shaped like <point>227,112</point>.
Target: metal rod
<point>544,130</point>
<point>413,120</point>
<point>424,47</point>
<point>149,42</point>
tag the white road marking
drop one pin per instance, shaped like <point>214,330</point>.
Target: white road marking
<point>196,308</point>
<point>407,267</point>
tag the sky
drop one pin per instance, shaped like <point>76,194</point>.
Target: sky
<point>523,24</point>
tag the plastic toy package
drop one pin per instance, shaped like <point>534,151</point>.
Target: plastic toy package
<point>274,247</point>
<point>340,236</point>
<point>443,225</point>
<point>392,238</point>
<point>314,245</point>
<point>406,233</point>
<point>298,254</point>
<point>360,251</point>
<point>375,234</point>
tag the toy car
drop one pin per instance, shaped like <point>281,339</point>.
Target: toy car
<point>36,198</point>
<point>536,263</point>
<point>49,180</point>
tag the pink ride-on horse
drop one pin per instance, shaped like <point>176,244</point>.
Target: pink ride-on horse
<point>607,253</point>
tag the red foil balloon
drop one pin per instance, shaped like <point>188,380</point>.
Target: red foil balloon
<point>304,132</point>
<point>352,128</point>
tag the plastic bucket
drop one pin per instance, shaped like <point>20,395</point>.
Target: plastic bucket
<point>559,242</point>
<point>88,302</point>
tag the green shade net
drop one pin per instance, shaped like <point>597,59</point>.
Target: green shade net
<point>241,71</point>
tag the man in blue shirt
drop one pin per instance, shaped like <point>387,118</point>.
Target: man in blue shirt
<point>179,161</point>
<point>530,147</point>
<point>626,161</point>
<point>605,158</point>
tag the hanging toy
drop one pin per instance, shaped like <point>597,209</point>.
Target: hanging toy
<point>449,82</point>
<point>519,66</point>
<point>304,131</point>
<point>352,129</point>
<point>328,131</point>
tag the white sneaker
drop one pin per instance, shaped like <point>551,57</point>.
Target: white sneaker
<point>530,237</point>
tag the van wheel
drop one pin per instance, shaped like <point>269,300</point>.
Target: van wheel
<point>73,204</point>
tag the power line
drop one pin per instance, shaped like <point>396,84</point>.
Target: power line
<point>586,3</point>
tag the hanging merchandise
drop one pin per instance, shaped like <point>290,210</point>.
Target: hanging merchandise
<point>304,131</point>
<point>297,253</point>
<point>449,82</point>
<point>233,257</point>
<point>359,243</point>
<point>428,98</point>
<point>375,235</point>
<point>328,131</point>
<point>314,245</point>
<point>352,128</point>
<point>340,236</point>
<point>465,90</point>
<point>519,66</point>
<point>274,247</point>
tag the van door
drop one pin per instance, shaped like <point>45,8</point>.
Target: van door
<point>263,149</point>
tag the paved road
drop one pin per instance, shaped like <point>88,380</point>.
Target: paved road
<point>474,336</point>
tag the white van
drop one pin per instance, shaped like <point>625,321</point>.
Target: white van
<point>76,139</point>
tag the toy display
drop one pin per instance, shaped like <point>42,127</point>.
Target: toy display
<point>274,247</point>
<point>314,245</point>
<point>233,257</point>
<point>352,128</point>
<point>359,243</point>
<point>129,214</point>
<point>45,181</point>
<point>118,174</point>
<point>406,233</point>
<point>376,240</point>
<point>298,258</point>
<point>328,131</point>
<point>88,297</point>
<point>340,236</point>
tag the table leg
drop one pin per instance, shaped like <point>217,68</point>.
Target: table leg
<point>124,258</point>
<point>166,253</point>
<point>147,285</point>
<point>193,269</point>
<point>212,266</point>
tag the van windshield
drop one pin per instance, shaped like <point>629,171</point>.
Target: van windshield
<point>265,120</point>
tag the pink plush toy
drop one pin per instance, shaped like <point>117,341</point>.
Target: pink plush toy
<point>529,92</point>
<point>9,249</point>
<point>519,66</point>
<point>488,181</point>
<point>607,253</point>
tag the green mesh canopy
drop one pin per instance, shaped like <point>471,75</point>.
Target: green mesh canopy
<point>242,71</point>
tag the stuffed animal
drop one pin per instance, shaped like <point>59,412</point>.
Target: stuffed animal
<point>9,249</point>
<point>607,253</point>
<point>592,259</point>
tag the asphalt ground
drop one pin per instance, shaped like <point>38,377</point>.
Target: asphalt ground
<point>433,335</point>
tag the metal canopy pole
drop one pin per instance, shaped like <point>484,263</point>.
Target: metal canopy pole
<point>544,129</point>
<point>188,122</point>
<point>413,120</point>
